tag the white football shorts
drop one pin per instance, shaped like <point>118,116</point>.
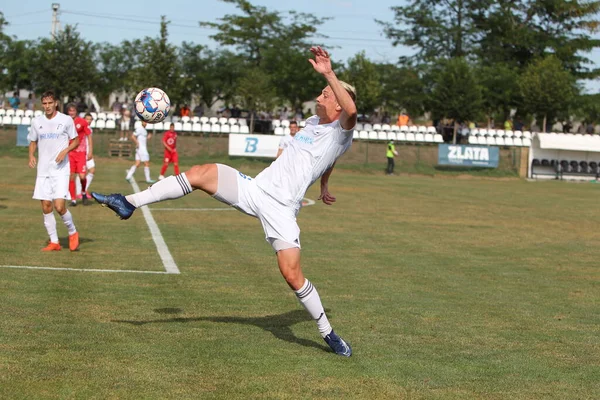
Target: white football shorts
<point>142,155</point>
<point>278,220</point>
<point>51,188</point>
<point>89,164</point>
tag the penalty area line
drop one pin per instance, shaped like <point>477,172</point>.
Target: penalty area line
<point>85,270</point>
<point>159,241</point>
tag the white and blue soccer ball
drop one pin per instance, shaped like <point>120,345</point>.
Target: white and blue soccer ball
<point>152,105</point>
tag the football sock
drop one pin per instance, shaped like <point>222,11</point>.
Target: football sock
<point>77,186</point>
<point>83,185</point>
<point>50,224</point>
<point>131,172</point>
<point>309,297</point>
<point>176,166</point>
<point>72,190</point>
<point>68,220</point>
<point>163,169</point>
<point>147,173</point>
<point>88,179</point>
<point>172,187</point>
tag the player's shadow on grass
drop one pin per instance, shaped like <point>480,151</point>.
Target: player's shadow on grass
<point>64,241</point>
<point>279,325</point>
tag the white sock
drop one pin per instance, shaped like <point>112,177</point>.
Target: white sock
<point>169,188</point>
<point>147,173</point>
<point>77,185</point>
<point>50,224</point>
<point>131,172</point>
<point>88,178</point>
<point>309,297</point>
<point>68,220</point>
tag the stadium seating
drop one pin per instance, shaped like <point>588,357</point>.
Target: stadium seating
<point>234,129</point>
<point>225,128</point>
<point>10,112</point>
<point>187,125</point>
<point>244,129</point>
<point>29,113</point>
<point>197,127</point>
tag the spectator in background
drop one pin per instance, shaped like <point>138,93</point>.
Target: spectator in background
<point>117,106</point>
<point>284,114</point>
<point>386,118</point>
<point>81,106</point>
<point>403,119</point>
<point>299,116</point>
<point>198,110</point>
<point>125,125</point>
<point>30,105</point>
<point>185,111</point>
<point>519,125</point>
<point>508,124</point>
<point>567,126</point>
<point>14,101</point>
<point>589,128</point>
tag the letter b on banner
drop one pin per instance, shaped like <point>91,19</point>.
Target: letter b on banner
<point>251,144</point>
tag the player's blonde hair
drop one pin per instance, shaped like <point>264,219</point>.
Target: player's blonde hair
<point>350,89</point>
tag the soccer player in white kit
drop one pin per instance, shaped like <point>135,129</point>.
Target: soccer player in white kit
<point>140,137</point>
<point>53,135</point>
<point>285,141</point>
<point>275,195</point>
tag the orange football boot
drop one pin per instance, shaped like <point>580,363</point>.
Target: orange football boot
<point>74,241</point>
<point>52,247</point>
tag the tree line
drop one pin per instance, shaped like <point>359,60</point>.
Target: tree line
<point>473,60</point>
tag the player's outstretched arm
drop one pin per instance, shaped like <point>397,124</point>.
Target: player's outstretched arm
<point>322,64</point>
<point>325,196</point>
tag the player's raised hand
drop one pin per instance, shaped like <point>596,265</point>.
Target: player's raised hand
<point>322,62</point>
<point>32,162</point>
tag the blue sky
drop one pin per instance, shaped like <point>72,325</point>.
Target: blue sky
<point>351,29</point>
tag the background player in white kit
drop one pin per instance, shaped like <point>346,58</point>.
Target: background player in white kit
<point>140,137</point>
<point>285,141</point>
<point>50,135</point>
<point>275,196</point>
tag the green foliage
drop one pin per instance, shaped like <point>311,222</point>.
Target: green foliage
<point>455,93</point>
<point>500,90</point>
<point>548,91</point>
<point>255,91</point>
<point>64,64</point>
<point>436,28</point>
<point>402,88</point>
<point>588,108</point>
<point>364,76</point>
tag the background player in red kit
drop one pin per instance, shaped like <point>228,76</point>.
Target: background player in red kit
<point>170,142</point>
<point>78,157</point>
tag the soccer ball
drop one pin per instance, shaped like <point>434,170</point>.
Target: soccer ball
<point>152,105</point>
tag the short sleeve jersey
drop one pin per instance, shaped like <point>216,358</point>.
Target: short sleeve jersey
<point>312,151</point>
<point>170,139</point>
<point>52,137</point>
<point>285,141</point>
<point>142,136</point>
<point>83,130</point>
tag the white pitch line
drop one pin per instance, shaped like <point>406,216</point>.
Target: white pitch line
<point>159,241</point>
<point>85,270</point>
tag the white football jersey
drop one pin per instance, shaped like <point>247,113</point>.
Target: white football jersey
<point>312,151</point>
<point>285,141</point>
<point>52,137</point>
<point>142,136</point>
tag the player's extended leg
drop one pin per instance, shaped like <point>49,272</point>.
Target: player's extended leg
<point>67,217</point>
<point>132,170</point>
<point>50,224</point>
<point>203,177</point>
<point>83,180</point>
<point>72,190</point>
<point>289,265</point>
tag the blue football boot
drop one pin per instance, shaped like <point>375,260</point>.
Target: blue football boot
<point>115,202</point>
<point>338,345</point>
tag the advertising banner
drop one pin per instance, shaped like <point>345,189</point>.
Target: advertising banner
<point>468,156</point>
<point>253,145</point>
